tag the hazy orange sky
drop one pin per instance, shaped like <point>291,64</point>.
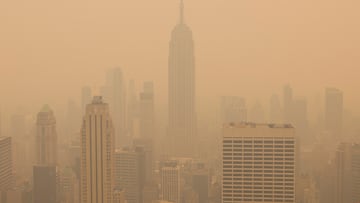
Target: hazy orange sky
<point>49,49</point>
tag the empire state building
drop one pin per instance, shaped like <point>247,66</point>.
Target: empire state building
<point>182,116</point>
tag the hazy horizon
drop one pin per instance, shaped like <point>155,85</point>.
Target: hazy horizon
<point>247,48</point>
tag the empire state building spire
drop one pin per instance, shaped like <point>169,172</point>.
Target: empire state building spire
<point>182,128</point>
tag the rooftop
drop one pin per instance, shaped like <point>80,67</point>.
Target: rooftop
<point>256,125</point>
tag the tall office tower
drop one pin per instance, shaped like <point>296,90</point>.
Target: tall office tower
<point>182,113</point>
<point>170,182</point>
<point>6,170</point>
<point>258,163</point>
<point>68,185</point>
<point>97,151</point>
<point>233,109</point>
<point>275,109</point>
<point>288,100</point>
<point>347,162</point>
<point>147,146</point>
<point>73,121</point>
<point>334,111</point>
<point>114,93</point>
<point>132,110</point>
<point>147,112</point>
<point>44,184</point>
<point>129,173</point>
<point>46,137</point>
<point>200,184</point>
<point>86,96</point>
<point>20,145</point>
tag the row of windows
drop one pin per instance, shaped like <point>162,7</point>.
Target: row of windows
<point>229,200</point>
<point>236,169</point>
<point>256,193</point>
<point>286,180</point>
<point>258,154</point>
<point>255,187</point>
<point>260,141</point>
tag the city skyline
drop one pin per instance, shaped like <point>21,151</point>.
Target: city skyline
<point>179,102</point>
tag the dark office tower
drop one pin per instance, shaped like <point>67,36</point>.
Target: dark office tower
<point>46,138</point>
<point>44,184</point>
<point>334,111</point>
<point>275,109</point>
<point>132,110</point>
<point>6,173</point>
<point>233,109</point>
<point>147,112</point>
<point>200,184</point>
<point>86,97</point>
<point>288,100</point>
<point>347,188</point>
<point>129,173</point>
<point>115,94</point>
<point>182,115</point>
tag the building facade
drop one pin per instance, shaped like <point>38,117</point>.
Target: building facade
<point>6,164</point>
<point>170,182</point>
<point>97,151</point>
<point>182,113</point>
<point>258,163</point>
<point>46,137</point>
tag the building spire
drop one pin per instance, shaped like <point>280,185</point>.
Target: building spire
<point>181,11</point>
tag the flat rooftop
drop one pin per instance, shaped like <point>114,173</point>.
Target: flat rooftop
<point>257,125</point>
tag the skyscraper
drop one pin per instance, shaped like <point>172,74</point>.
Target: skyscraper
<point>182,113</point>
<point>6,170</point>
<point>147,111</point>
<point>45,184</point>
<point>46,137</point>
<point>170,182</point>
<point>258,163</point>
<point>288,100</point>
<point>129,173</point>
<point>334,111</point>
<point>114,92</point>
<point>97,151</point>
<point>347,189</point>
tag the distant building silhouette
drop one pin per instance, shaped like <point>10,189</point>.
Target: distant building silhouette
<point>334,111</point>
<point>233,109</point>
<point>182,113</point>
<point>97,151</point>
<point>258,163</point>
<point>46,138</point>
<point>45,184</point>
<point>114,92</point>
<point>288,101</point>
<point>86,96</point>
<point>275,109</point>
<point>147,111</point>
